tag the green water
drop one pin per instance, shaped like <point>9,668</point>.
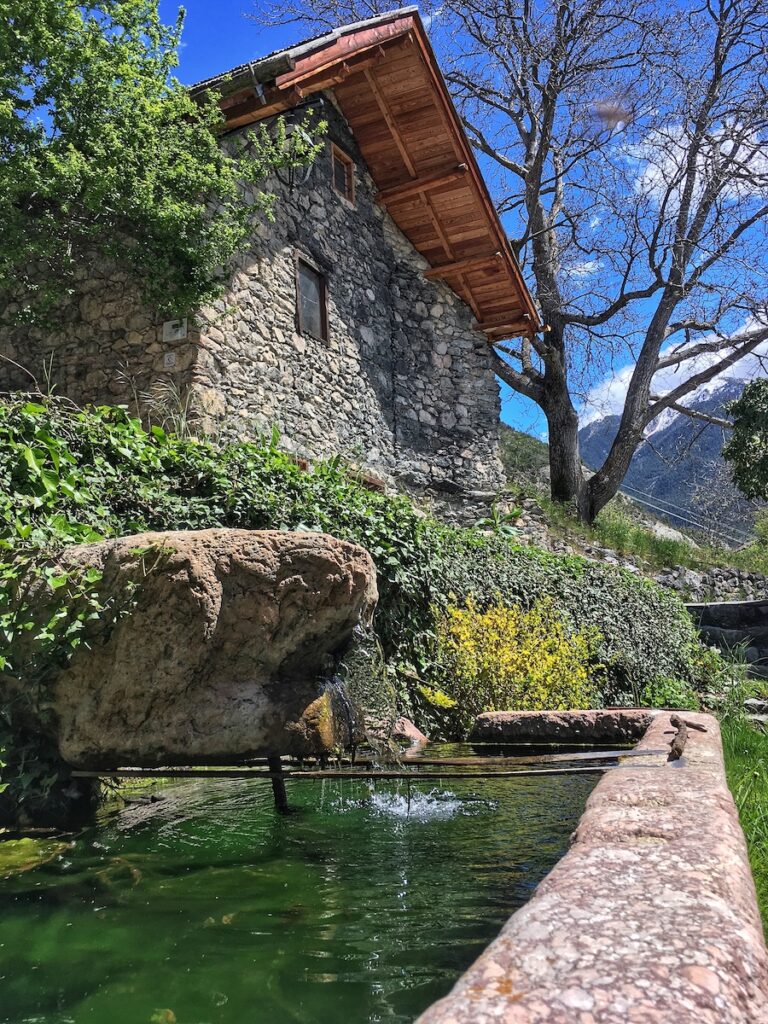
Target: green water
<point>208,908</point>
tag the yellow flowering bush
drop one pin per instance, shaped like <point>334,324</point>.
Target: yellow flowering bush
<point>509,659</point>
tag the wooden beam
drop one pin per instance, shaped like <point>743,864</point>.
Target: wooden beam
<point>443,237</point>
<point>389,120</point>
<point>415,186</point>
<point>462,266</point>
<point>509,316</point>
<point>510,328</point>
<point>337,73</point>
<point>255,108</point>
<point>344,47</point>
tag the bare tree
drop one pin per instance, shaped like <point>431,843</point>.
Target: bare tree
<point>627,143</point>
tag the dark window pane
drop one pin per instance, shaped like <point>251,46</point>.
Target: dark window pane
<point>342,174</point>
<point>310,284</point>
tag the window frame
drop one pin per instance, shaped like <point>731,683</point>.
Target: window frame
<point>337,153</point>
<point>298,259</point>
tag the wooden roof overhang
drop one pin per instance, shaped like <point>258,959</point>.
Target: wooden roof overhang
<point>388,86</point>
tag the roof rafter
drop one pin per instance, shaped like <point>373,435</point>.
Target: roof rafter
<point>389,88</point>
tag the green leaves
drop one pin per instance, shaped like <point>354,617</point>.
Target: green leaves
<point>105,154</point>
<point>747,448</point>
<point>75,476</point>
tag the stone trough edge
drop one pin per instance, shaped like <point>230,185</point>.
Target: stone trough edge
<point>651,916</point>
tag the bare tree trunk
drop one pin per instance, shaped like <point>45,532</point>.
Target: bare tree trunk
<point>605,483</point>
<point>566,480</point>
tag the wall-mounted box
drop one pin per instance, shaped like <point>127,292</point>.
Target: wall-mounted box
<point>175,330</point>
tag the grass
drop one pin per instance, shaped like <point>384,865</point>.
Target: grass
<point>618,528</point>
<point>746,762</point>
<point>622,526</point>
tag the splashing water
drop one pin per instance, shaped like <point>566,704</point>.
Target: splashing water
<point>414,804</point>
<point>435,805</point>
<point>362,906</point>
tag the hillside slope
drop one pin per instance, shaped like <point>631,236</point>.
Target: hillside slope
<point>680,464</point>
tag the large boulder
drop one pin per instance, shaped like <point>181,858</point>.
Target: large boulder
<point>222,651</point>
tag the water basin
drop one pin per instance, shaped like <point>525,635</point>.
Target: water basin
<point>206,907</point>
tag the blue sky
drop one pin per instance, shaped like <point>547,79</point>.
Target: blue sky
<point>218,35</point>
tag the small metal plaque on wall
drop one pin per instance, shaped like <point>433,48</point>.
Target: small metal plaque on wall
<point>175,330</point>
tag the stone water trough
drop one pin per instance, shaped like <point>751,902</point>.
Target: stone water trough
<point>220,650</point>
<point>651,917</point>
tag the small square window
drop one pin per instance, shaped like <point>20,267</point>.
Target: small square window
<point>311,307</point>
<point>343,174</point>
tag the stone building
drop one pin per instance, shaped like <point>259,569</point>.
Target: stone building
<point>358,322</point>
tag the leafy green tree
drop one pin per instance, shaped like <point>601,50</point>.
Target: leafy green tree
<point>103,153</point>
<point>747,448</point>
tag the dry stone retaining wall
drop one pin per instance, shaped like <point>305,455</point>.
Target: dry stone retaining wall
<point>733,625</point>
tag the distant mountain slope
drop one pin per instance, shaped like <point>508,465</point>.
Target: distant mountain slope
<point>680,463</point>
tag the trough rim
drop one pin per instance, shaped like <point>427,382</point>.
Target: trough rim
<point>651,915</point>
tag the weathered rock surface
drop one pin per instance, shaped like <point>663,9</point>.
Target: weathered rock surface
<point>620,725</point>
<point>651,918</point>
<point>222,653</point>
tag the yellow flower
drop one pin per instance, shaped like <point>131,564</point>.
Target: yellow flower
<point>505,658</point>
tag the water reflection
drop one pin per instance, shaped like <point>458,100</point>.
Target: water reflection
<point>362,907</point>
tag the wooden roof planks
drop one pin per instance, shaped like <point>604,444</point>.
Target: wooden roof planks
<point>387,83</point>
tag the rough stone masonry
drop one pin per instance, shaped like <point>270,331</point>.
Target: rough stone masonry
<point>403,385</point>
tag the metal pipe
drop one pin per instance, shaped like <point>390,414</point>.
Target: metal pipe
<point>334,773</point>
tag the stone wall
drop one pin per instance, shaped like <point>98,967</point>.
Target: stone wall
<point>403,385</point>
<point>104,345</point>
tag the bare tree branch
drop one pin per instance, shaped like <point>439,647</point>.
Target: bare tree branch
<point>697,414</point>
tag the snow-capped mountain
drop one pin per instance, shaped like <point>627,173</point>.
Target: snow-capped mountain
<point>678,467</point>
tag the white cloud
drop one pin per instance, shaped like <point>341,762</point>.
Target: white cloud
<point>585,268</point>
<point>661,158</point>
<point>607,398</point>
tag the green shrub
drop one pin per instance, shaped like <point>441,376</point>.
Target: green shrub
<point>669,693</point>
<point>70,476</point>
<point>507,659</point>
<point>645,631</point>
<point>522,456</point>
